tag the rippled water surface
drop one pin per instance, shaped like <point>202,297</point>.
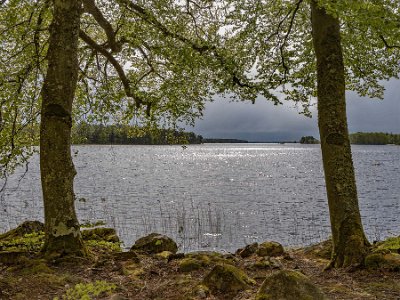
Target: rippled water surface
<point>215,196</point>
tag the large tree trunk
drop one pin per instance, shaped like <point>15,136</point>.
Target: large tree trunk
<point>62,231</point>
<point>349,242</point>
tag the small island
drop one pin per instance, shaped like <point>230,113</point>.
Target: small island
<point>308,140</point>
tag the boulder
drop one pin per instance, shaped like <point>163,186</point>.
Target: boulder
<point>189,264</point>
<point>155,243</point>
<point>248,250</point>
<point>288,285</point>
<point>382,260</point>
<point>25,228</point>
<point>101,234</point>
<point>270,249</point>
<point>227,280</point>
<point>320,250</point>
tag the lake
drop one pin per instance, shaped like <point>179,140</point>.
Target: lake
<point>214,196</point>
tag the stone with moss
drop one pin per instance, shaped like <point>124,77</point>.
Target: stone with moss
<point>389,245</point>
<point>288,285</point>
<point>28,227</point>
<point>320,250</point>
<point>101,234</point>
<point>155,243</point>
<point>382,260</point>
<point>189,265</point>
<point>247,250</point>
<point>227,280</point>
<point>270,249</point>
<point>209,258</point>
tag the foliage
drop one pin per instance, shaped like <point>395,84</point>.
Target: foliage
<point>308,140</point>
<point>146,63</point>
<point>374,138</point>
<point>275,37</point>
<point>84,133</point>
<point>87,291</point>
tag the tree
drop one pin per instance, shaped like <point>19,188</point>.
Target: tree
<point>62,229</point>
<point>349,242</point>
<point>152,63</point>
<point>302,59</point>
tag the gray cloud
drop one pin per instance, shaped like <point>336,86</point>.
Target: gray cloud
<point>263,121</point>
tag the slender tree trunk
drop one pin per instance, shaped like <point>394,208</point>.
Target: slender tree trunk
<point>62,231</point>
<point>349,242</point>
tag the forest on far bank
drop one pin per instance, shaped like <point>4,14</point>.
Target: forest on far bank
<point>374,138</point>
<point>99,134</point>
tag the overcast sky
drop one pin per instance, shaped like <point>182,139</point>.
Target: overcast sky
<point>265,122</point>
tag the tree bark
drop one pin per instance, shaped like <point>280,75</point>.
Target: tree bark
<point>349,242</point>
<point>62,233</point>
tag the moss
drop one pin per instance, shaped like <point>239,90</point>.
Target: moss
<point>103,246</point>
<point>86,291</point>
<point>25,228</point>
<point>26,242</point>
<point>391,244</point>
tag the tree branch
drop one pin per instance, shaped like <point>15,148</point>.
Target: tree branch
<point>387,45</point>
<point>121,73</point>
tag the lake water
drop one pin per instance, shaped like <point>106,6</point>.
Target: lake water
<point>214,196</point>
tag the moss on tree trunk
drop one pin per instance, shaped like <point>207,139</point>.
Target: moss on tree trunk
<point>349,242</point>
<point>62,231</point>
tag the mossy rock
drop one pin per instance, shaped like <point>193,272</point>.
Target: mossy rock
<point>248,250</point>
<point>389,261</point>
<point>101,234</point>
<point>320,250</point>
<point>189,265</point>
<point>389,245</point>
<point>288,285</point>
<point>155,243</point>
<point>227,279</point>
<point>208,258</point>
<point>27,227</point>
<point>264,263</point>
<point>270,249</point>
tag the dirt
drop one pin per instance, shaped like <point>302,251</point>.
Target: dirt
<point>108,274</point>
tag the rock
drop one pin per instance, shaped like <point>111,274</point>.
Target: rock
<point>288,285</point>
<point>25,228</point>
<point>208,258</point>
<point>101,234</point>
<point>321,250</point>
<point>228,280</point>
<point>126,256</point>
<point>264,263</point>
<point>189,264</point>
<point>389,261</point>
<point>155,243</point>
<point>248,250</point>
<point>270,249</point>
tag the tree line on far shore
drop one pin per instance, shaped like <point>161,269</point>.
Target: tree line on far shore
<point>84,133</point>
<point>363,138</point>
<point>374,138</point>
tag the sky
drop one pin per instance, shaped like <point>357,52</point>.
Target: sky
<point>264,122</point>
